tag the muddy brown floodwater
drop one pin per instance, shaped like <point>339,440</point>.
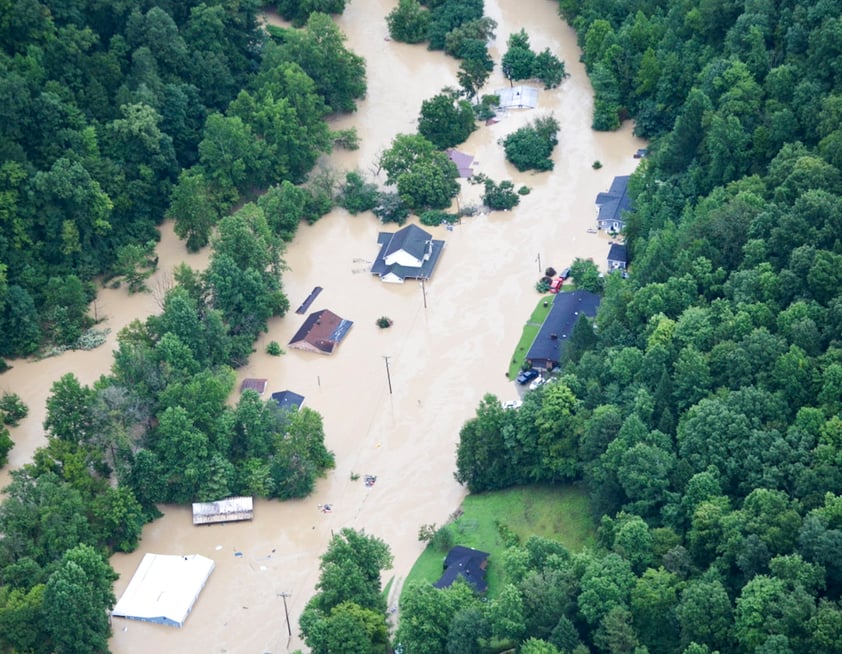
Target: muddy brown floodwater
<point>441,359</point>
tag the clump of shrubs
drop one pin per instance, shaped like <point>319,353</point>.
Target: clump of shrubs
<point>384,321</point>
<point>274,349</point>
<point>13,409</point>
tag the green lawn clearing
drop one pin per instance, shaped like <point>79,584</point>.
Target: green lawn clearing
<point>559,513</point>
<point>530,331</point>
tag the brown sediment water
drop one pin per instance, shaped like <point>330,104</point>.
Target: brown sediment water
<point>441,359</point>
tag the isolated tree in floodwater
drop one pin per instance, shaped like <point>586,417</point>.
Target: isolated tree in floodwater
<point>446,120</point>
<point>425,178</point>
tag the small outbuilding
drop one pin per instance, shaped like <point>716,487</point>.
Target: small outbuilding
<point>618,258</point>
<point>322,332</point>
<point>409,253</point>
<point>467,563</point>
<point>164,588</point>
<point>253,384</point>
<point>232,509</point>
<point>463,162</point>
<point>288,401</point>
<point>548,347</point>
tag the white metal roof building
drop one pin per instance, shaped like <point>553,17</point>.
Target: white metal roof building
<point>164,588</point>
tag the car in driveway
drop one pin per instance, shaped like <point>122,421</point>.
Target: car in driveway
<point>536,383</point>
<point>526,376</point>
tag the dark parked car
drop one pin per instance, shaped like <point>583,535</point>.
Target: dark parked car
<point>526,376</point>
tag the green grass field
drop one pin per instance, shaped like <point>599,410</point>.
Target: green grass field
<point>559,513</point>
<point>530,330</point>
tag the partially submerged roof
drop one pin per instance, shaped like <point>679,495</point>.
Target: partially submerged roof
<point>417,244</point>
<point>231,509</point>
<point>321,332</point>
<point>288,400</point>
<point>164,588</point>
<point>518,97</point>
<point>463,162</point>
<point>253,384</point>
<point>614,202</point>
<point>467,563</point>
<point>558,325</point>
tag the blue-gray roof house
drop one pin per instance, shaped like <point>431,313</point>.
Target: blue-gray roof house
<point>467,563</point>
<point>288,400</point>
<point>409,253</point>
<point>612,205</point>
<point>618,257</point>
<point>549,344</point>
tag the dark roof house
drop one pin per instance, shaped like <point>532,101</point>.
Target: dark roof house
<point>547,348</point>
<point>618,258</point>
<point>321,332</point>
<point>411,252</point>
<point>467,563</point>
<point>288,400</point>
<point>612,204</point>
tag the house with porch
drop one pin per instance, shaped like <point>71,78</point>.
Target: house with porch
<point>618,258</point>
<point>612,205</point>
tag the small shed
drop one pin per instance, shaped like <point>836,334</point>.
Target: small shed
<point>164,588</point>
<point>253,384</point>
<point>232,509</point>
<point>463,162</point>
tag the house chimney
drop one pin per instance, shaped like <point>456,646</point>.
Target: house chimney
<point>554,336</point>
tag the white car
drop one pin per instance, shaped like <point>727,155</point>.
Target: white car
<point>536,383</point>
<point>511,404</point>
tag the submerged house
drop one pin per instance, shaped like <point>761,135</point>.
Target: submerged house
<point>232,509</point>
<point>322,332</point>
<point>467,563</point>
<point>164,588</point>
<point>548,347</point>
<point>288,401</point>
<point>409,253</point>
<point>612,205</point>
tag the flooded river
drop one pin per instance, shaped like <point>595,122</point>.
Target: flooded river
<point>440,359</point>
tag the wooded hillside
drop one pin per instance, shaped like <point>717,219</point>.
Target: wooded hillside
<point>702,411</point>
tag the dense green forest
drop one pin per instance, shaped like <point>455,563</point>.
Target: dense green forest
<point>701,409</point>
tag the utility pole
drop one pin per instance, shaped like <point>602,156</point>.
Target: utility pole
<point>286,612</point>
<point>424,292</point>
<point>538,259</point>
<point>388,376</point>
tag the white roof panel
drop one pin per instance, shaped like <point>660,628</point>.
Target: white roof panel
<point>164,588</point>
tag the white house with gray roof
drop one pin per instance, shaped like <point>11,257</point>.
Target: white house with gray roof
<point>409,253</point>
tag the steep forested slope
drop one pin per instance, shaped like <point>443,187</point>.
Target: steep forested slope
<point>705,416</point>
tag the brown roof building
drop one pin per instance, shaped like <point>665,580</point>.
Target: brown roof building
<point>321,332</point>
